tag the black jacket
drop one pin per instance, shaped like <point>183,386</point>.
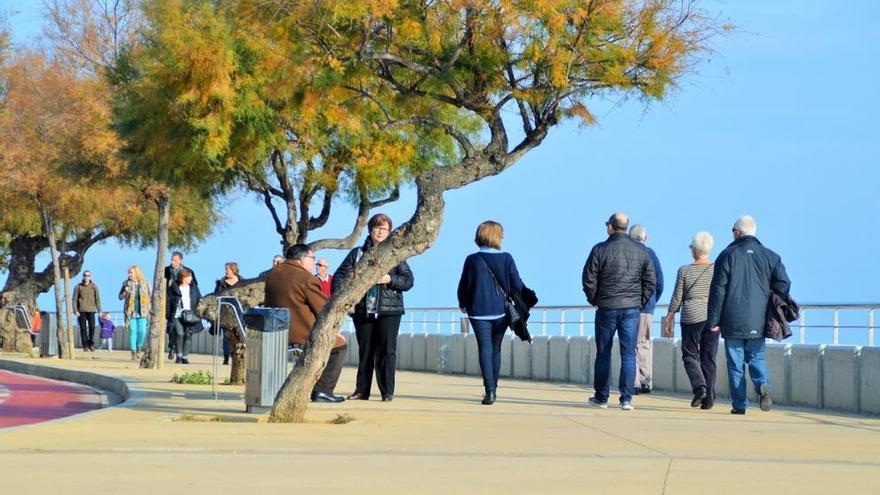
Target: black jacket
<point>780,313</point>
<point>745,273</point>
<point>389,299</point>
<point>619,274</point>
<point>175,298</point>
<point>169,279</point>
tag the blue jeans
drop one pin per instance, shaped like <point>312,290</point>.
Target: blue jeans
<point>626,323</point>
<point>490,334</point>
<point>741,352</point>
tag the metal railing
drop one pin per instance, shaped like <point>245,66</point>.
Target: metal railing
<point>835,324</point>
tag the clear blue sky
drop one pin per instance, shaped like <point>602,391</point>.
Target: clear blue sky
<point>780,124</point>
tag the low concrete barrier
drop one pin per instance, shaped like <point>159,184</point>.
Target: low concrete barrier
<point>806,373</point>
<point>419,341</point>
<point>522,359</point>
<point>869,378</point>
<point>472,357</point>
<point>580,361</point>
<point>664,364</point>
<point>840,378</point>
<point>557,349</point>
<point>540,358</point>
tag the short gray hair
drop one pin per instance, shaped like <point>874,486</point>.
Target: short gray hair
<point>702,243</point>
<point>638,233</point>
<point>746,225</point>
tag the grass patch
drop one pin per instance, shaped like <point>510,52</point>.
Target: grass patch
<point>199,377</point>
<point>192,418</point>
<point>341,419</point>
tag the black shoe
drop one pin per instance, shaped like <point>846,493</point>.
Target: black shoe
<point>358,396</point>
<point>178,360</point>
<point>226,360</point>
<point>322,397</point>
<point>488,399</point>
<point>766,400</point>
<point>184,361</point>
<point>737,411</point>
<point>645,389</point>
<point>708,402</point>
<point>700,395</point>
<point>170,355</point>
<point>387,398</point>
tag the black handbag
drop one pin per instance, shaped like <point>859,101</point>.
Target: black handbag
<point>189,316</point>
<point>510,310</point>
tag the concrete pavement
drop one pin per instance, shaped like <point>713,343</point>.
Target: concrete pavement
<point>434,438</point>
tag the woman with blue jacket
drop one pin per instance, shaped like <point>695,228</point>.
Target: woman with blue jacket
<point>481,298</point>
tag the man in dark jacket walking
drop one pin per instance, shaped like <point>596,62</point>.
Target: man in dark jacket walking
<point>171,272</point>
<point>86,303</point>
<point>619,279</point>
<point>746,273</point>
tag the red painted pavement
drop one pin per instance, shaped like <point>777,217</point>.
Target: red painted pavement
<point>27,400</point>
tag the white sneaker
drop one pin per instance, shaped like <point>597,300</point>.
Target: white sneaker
<point>594,402</point>
<point>626,406</point>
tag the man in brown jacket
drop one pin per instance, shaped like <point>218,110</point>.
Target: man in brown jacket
<point>291,285</point>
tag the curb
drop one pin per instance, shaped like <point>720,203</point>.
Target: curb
<point>117,387</point>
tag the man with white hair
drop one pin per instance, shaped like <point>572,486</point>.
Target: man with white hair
<point>644,363</point>
<point>745,274</point>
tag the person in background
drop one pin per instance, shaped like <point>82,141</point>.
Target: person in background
<point>745,274</point>
<point>184,296</point>
<point>276,260</point>
<point>171,273</point>
<point>135,294</point>
<point>619,279</point>
<point>644,351</point>
<point>698,344</point>
<point>86,302</point>
<point>483,303</point>
<point>107,330</point>
<point>230,279</point>
<point>377,315</point>
<point>291,285</point>
<point>324,277</point>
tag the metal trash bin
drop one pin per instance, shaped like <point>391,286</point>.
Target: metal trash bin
<point>48,335</point>
<point>266,356</point>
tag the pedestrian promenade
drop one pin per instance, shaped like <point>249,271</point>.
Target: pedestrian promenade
<point>434,438</point>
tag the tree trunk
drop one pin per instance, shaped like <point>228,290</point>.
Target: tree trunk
<point>64,346</point>
<point>412,238</point>
<point>155,348</point>
<point>250,293</point>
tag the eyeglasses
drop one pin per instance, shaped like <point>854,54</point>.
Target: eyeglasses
<point>322,266</point>
<point>381,228</point>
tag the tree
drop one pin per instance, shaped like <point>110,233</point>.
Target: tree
<point>431,65</point>
<point>95,200</point>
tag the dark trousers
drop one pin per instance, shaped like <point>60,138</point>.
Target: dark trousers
<point>698,348</point>
<point>86,322</point>
<point>171,335</point>
<point>182,337</point>
<point>327,381</point>
<point>624,322</point>
<point>377,347</point>
<point>490,334</point>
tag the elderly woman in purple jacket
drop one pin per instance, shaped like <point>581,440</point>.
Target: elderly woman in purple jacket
<point>481,298</point>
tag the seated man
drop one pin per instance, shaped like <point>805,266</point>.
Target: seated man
<point>291,285</point>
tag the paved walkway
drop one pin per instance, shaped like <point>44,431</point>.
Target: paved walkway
<point>28,400</point>
<point>434,438</point>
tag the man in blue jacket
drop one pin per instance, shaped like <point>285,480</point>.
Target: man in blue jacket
<point>644,351</point>
<point>618,279</point>
<point>745,274</point>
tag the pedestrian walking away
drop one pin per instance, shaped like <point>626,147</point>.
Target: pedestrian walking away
<point>377,315</point>
<point>644,349</point>
<point>746,274</point>
<point>86,304</point>
<point>619,279</point>
<point>486,277</point>
<point>698,344</point>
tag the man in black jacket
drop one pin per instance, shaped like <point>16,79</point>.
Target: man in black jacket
<point>619,279</point>
<point>171,272</point>
<point>745,274</point>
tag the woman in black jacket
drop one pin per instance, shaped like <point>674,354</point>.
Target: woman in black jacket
<point>183,298</point>
<point>377,316</point>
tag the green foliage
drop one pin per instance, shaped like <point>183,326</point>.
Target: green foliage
<point>199,377</point>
